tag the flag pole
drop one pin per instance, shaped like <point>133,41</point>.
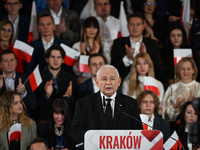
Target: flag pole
<point>26,80</point>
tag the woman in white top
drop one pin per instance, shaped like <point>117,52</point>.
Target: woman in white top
<point>185,89</point>
<point>90,43</point>
<point>142,66</point>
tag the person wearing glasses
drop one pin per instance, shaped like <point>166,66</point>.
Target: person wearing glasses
<point>155,28</point>
<point>20,23</point>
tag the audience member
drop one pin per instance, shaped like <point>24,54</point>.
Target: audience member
<point>38,144</point>
<point>90,43</point>
<point>109,25</point>
<point>20,23</point>
<point>149,105</point>
<point>185,89</point>
<point>12,113</point>
<point>155,28</point>
<point>55,130</point>
<point>56,83</point>
<point>177,39</point>
<point>187,116</point>
<point>66,21</point>
<point>105,101</point>
<point>89,86</point>
<point>125,49</point>
<point>15,81</point>
<point>46,28</point>
<point>142,66</point>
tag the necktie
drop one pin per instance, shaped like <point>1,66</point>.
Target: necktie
<point>108,113</point>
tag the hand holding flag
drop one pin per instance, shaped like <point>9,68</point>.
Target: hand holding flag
<point>21,87</point>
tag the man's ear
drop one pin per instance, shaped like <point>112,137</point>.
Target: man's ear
<point>119,81</point>
<point>47,60</point>
<point>96,81</point>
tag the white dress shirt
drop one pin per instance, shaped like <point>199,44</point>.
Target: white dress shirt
<point>15,26</point>
<point>47,45</point>
<point>95,87</point>
<point>56,17</point>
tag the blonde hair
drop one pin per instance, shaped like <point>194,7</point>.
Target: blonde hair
<point>6,103</point>
<point>134,83</point>
<point>2,24</point>
<point>180,64</point>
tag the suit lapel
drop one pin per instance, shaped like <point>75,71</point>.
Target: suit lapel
<point>99,109</point>
<point>90,86</point>
<point>156,124</point>
<point>127,41</point>
<point>3,137</point>
<point>16,81</point>
<point>118,101</point>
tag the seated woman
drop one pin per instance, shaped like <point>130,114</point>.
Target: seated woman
<point>155,28</point>
<point>90,43</point>
<point>7,40</point>
<point>12,114</point>
<point>142,66</point>
<point>148,103</point>
<point>187,116</point>
<point>55,131</point>
<point>185,89</point>
<point>177,39</point>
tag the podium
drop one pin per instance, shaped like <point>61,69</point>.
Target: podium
<point>123,139</point>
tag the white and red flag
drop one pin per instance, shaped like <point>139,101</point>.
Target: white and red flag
<point>181,53</point>
<point>185,15</point>
<point>71,55</point>
<point>35,78</point>
<point>144,119</point>
<point>172,144</point>
<point>23,50</point>
<point>83,64</point>
<point>14,132</point>
<point>123,22</point>
<point>151,84</point>
<point>33,30</point>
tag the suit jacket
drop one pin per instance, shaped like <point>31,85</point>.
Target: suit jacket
<point>71,22</point>
<point>119,51</point>
<point>89,115</point>
<point>163,126</point>
<point>23,27</point>
<point>195,34</point>
<point>38,56</point>
<point>44,103</point>
<point>30,99</point>
<point>27,135</point>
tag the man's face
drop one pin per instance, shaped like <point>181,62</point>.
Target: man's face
<point>55,5</point>
<point>147,105</point>
<point>55,60</point>
<point>13,6</point>
<point>38,146</point>
<point>135,27</point>
<point>102,8</point>
<point>8,63</point>
<point>108,81</point>
<point>95,64</point>
<point>46,26</point>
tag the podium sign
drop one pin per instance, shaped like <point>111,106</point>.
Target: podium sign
<point>123,139</point>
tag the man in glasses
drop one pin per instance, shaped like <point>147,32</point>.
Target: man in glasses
<point>20,23</point>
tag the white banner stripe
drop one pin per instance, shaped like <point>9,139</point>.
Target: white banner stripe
<point>170,142</point>
<point>182,53</point>
<point>36,73</point>
<point>70,52</point>
<point>83,59</point>
<point>23,47</point>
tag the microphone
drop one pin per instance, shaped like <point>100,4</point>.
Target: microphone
<point>120,106</point>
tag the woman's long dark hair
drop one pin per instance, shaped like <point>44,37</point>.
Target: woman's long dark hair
<point>181,129</point>
<point>59,106</point>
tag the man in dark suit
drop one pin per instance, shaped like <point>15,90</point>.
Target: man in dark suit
<point>148,103</point>
<point>67,22</point>
<point>125,49</point>
<point>101,110</point>
<point>88,87</point>
<point>56,83</point>
<point>12,80</point>
<point>46,28</point>
<point>21,24</point>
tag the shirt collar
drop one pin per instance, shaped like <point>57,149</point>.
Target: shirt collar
<point>100,19</point>
<point>112,97</point>
<point>57,15</point>
<point>14,21</point>
<point>137,41</point>
<point>44,42</point>
<point>13,77</point>
<point>151,119</point>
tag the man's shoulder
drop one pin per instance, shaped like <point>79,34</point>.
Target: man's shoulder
<point>89,98</point>
<point>122,39</point>
<point>24,19</point>
<point>70,12</point>
<point>86,82</point>
<point>149,41</point>
<point>114,19</point>
<point>127,98</point>
<point>59,41</point>
<point>35,43</point>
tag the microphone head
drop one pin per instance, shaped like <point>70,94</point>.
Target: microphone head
<point>120,105</point>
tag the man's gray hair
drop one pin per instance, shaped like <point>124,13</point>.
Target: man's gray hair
<point>107,66</point>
